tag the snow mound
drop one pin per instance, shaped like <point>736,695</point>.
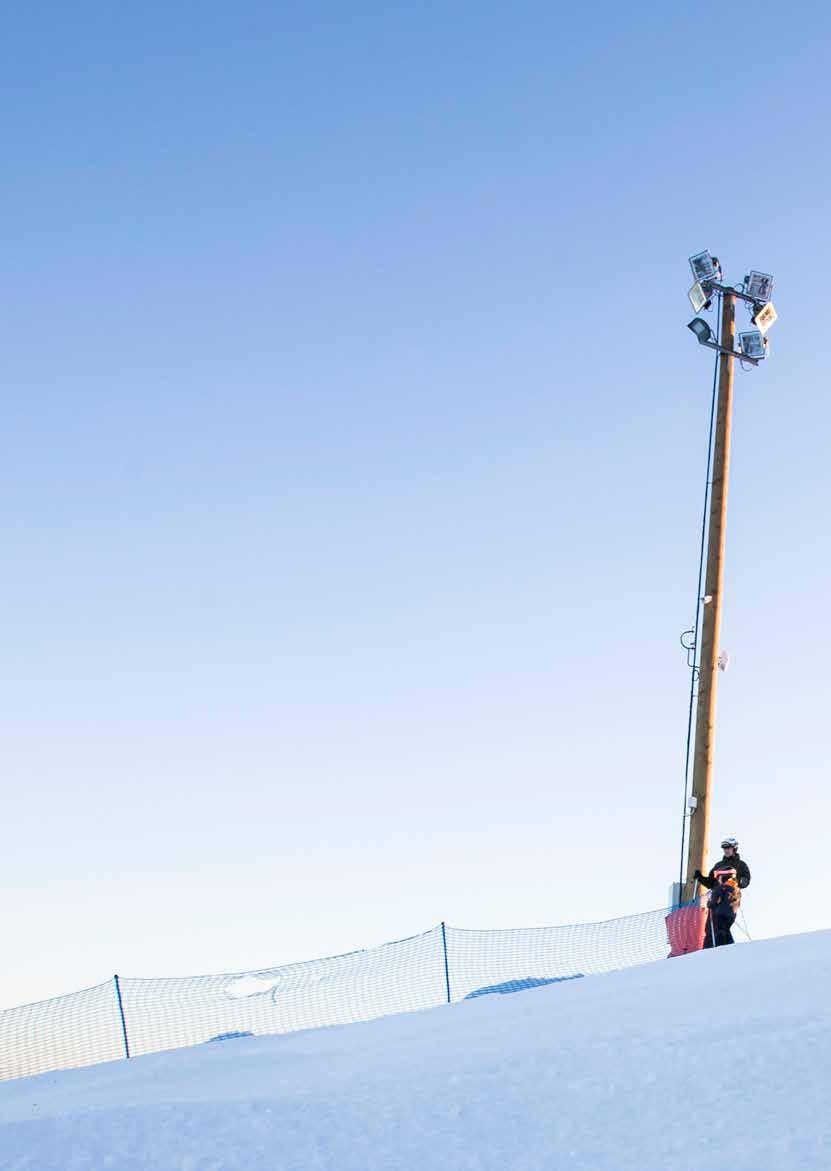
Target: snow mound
<point>718,1059</point>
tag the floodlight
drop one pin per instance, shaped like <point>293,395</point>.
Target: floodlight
<point>752,344</point>
<point>704,267</point>
<point>758,285</point>
<point>701,329</point>
<point>699,297</point>
<point>764,318</point>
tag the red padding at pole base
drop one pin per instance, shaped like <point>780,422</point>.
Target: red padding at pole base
<point>685,929</point>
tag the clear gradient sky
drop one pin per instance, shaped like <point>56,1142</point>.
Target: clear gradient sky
<point>353,466</point>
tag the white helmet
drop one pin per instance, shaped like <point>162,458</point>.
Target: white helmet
<point>730,842</point>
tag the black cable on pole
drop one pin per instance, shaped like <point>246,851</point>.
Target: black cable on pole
<point>694,668</point>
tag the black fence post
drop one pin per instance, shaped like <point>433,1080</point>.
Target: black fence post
<point>446,970</point>
<point>121,1014</point>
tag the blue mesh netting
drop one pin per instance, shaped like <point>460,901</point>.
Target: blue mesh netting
<point>482,959</point>
<point>79,1029</point>
<point>446,963</point>
<point>398,977</point>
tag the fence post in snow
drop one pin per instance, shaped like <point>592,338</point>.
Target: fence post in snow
<point>121,1014</point>
<point>446,970</point>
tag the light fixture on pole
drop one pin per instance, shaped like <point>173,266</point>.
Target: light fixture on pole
<point>699,297</point>
<point>705,267</point>
<point>701,329</point>
<point>752,344</point>
<point>758,285</point>
<point>764,317</point>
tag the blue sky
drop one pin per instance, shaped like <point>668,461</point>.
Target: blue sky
<point>354,456</point>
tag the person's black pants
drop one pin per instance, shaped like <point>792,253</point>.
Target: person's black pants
<point>718,929</point>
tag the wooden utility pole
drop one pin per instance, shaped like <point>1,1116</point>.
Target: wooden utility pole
<point>705,720</point>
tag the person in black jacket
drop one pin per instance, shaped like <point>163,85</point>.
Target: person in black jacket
<point>727,879</point>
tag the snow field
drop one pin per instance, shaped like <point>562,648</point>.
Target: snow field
<point>719,1059</point>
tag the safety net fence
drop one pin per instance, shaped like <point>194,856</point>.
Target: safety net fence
<point>128,1017</point>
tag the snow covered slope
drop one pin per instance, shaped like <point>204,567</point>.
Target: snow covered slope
<point>716,1060</point>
